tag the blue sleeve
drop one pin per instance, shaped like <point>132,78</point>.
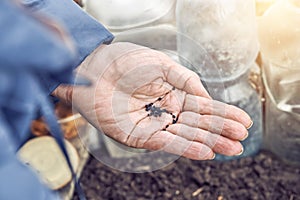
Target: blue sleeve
<point>27,49</point>
<point>85,31</point>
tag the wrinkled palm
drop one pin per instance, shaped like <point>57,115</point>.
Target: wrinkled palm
<point>143,99</point>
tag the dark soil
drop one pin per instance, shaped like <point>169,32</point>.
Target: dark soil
<point>262,177</point>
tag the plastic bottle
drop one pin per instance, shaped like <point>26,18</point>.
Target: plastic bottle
<point>279,35</point>
<point>227,31</point>
<point>121,15</point>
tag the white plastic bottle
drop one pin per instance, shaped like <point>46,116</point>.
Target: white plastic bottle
<point>227,31</point>
<point>122,15</point>
<point>279,35</point>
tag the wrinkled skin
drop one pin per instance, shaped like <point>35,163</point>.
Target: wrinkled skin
<point>126,77</point>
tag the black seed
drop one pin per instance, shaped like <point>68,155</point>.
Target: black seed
<point>167,126</point>
<point>159,99</point>
<point>157,114</point>
<point>176,119</point>
<point>156,111</point>
<point>173,88</point>
<point>164,129</point>
<point>149,106</point>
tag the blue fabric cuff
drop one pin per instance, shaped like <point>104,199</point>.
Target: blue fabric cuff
<point>85,31</point>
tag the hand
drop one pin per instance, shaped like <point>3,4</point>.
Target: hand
<point>143,99</point>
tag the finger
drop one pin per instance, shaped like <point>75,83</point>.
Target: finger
<point>215,124</point>
<point>186,80</point>
<point>64,92</point>
<point>166,141</point>
<point>210,107</point>
<point>217,143</point>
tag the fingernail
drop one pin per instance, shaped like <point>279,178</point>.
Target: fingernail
<point>251,124</point>
<point>214,156</point>
<point>247,134</point>
<point>242,151</point>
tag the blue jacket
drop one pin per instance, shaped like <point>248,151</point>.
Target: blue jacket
<point>33,62</point>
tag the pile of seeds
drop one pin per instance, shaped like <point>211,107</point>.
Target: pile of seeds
<point>156,111</point>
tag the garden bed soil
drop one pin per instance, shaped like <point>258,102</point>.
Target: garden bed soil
<point>262,177</point>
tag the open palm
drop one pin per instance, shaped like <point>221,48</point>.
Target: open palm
<point>143,99</point>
